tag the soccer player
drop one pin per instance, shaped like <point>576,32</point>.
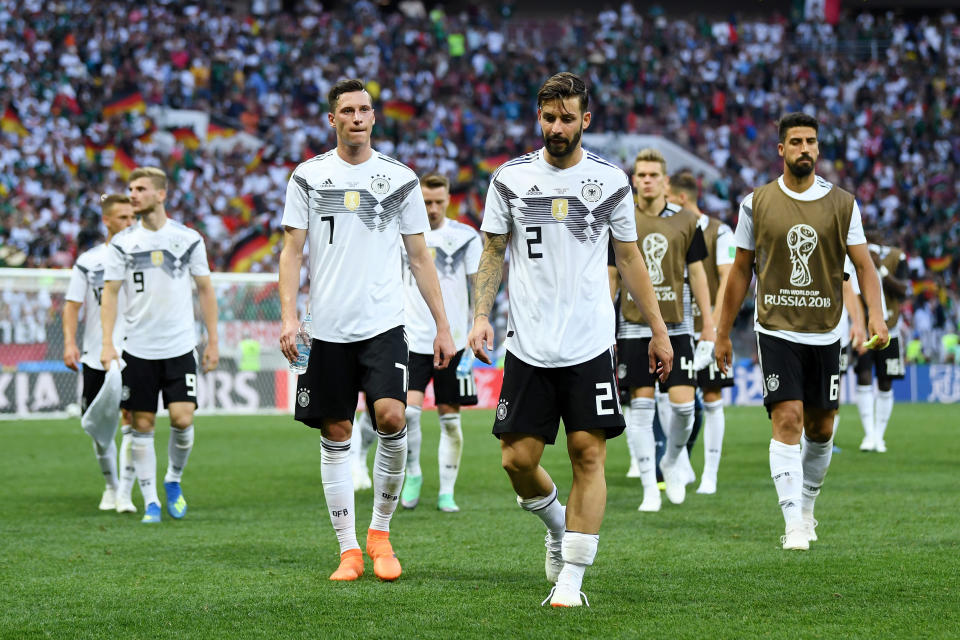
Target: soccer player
<point>718,237</point>
<point>556,208</point>
<point>455,248</point>
<point>796,231</point>
<point>85,289</point>
<point>153,262</point>
<point>673,248</point>
<point>875,412</point>
<point>357,204</point>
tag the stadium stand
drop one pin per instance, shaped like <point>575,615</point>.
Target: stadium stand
<point>454,93</point>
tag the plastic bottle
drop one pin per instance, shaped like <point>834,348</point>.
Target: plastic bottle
<point>304,339</point>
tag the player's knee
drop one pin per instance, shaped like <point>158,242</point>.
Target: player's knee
<point>518,462</point>
<point>143,423</point>
<point>181,421</point>
<point>588,459</point>
<point>864,378</point>
<point>884,384</point>
<point>391,419</point>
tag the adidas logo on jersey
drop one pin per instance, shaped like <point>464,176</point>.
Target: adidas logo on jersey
<point>534,191</point>
<point>327,183</point>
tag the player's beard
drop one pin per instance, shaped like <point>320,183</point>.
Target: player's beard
<point>801,170</point>
<point>553,144</point>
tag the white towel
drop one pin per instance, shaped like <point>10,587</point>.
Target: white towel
<point>100,420</point>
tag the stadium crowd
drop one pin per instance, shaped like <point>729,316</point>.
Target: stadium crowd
<point>460,89</point>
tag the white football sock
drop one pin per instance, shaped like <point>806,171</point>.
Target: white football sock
<point>145,466</point>
<point>107,459</point>
<point>884,409</point>
<point>548,509</point>
<point>449,451</point>
<point>681,424</point>
<point>664,411</point>
<point>337,478</point>
<point>127,475</point>
<point>865,406</point>
<point>625,409</point>
<point>714,425</point>
<point>640,434</point>
<point>787,472</point>
<point>414,440</point>
<point>364,436</point>
<point>178,452</point>
<point>815,460</point>
<point>388,467</point>
<point>578,550</point>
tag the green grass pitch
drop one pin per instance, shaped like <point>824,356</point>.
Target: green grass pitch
<point>252,557</point>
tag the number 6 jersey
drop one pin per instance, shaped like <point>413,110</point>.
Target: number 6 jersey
<point>561,220</point>
<point>156,268</point>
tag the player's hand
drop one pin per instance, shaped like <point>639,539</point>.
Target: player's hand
<point>443,349</point>
<point>211,357</point>
<point>481,338</point>
<point>661,356</point>
<point>877,327</point>
<point>857,337</point>
<point>71,356</point>
<point>288,339</point>
<point>703,356</point>
<point>723,351</point>
<point>107,354</point>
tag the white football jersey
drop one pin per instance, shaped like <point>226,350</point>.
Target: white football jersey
<point>86,287</point>
<point>561,221</point>
<point>156,268</point>
<point>456,249</point>
<point>355,214</point>
<point>744,239</point>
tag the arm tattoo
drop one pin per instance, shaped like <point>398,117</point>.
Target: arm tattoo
<point>490,273</point>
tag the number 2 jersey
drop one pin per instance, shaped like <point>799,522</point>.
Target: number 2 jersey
<point>354,215</point>
<point>156,269</point>
<point>86,287</point>
<point>561,220</point>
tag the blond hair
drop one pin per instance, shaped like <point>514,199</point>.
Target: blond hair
<point>158,177</point>
<point>651,155</point>
<point>435,181</point>
<point>109,200</point>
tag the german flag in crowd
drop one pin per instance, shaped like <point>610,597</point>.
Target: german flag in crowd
<point>11,123</point>
<point>186,137</point>
<point>245,204</point>
<point>257,159</point>
<point>127,103</point>
<point>251,249</point>
<point>940,263</point>
<point>493,162</point>
<point>219,128</point>
<point>399,110</point>
<point>465,173</point>
<point>123,164</point>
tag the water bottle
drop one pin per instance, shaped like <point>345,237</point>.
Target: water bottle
<point>466,363</point>
<point>299,366</point>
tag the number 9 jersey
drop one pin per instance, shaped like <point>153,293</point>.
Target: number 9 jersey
<point>156,269</point>
<point>561,220</point>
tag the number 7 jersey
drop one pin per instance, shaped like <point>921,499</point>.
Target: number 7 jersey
<point>156,269</point>
<point>561,221</point>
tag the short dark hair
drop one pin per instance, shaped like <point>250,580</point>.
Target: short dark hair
<point>685,181</point>
<point>435,181</point>
<point>347,85</point>
<point>796,119</point>
<point>562,86</point>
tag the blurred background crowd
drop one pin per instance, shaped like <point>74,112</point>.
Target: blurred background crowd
<point>455,93</point>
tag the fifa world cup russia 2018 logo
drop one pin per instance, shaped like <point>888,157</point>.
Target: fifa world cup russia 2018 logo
<point>654,249</point>
<point>801,240</point>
